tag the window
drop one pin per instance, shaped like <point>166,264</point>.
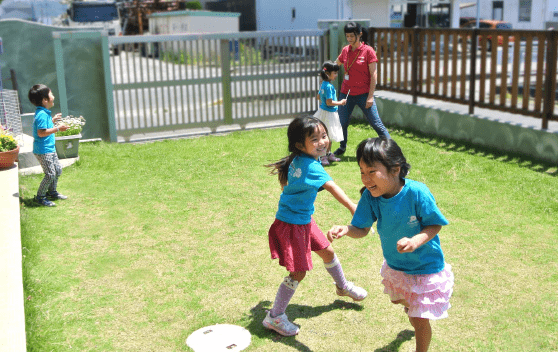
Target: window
<point>498,10</point>
<point>524,10</point>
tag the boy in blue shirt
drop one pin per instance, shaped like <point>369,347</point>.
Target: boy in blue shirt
<point>43,144</point>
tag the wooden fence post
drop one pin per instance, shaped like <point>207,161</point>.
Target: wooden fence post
<point>550,84</point>
<point>414,62</point>
<point>473,71</point>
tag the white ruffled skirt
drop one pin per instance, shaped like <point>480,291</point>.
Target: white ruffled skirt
<point>428,295</point>
<point>331,120</point>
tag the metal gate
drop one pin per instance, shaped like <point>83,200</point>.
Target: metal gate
<point>170,82</point>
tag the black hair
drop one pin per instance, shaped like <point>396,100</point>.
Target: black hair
<point>328,66</point>
<point>356,29</point>
<point>299,129</point>
<point>385,151</point>
<point>37,93</point>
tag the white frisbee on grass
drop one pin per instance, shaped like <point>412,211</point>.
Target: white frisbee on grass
<point>220,337</point>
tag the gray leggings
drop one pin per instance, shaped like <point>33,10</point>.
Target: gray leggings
<point>52,169</point>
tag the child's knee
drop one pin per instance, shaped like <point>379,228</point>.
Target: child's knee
<point>297,275</point>
<point>327,254</point>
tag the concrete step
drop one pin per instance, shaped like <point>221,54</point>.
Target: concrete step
<point>28,163</point>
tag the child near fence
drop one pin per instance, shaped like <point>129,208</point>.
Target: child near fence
<point>44,144</point>
<point>327,111</point>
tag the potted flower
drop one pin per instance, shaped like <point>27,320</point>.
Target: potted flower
<point>9,149</point>
<point>67,142</point>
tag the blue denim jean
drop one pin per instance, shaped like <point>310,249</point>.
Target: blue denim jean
<point>371,115</point>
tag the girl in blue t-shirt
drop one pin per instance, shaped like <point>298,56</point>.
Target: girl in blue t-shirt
<point>294,234</point>
<point>327,111</point>
<point>414,271</point>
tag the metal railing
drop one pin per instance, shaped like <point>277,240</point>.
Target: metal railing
<point>168,82</point>
<point>512,71</point>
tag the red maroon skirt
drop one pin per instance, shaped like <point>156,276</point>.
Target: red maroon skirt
<point>293,244</point>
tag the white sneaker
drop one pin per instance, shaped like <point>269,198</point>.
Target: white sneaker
<point>355,292</point>
<point>281,324</point>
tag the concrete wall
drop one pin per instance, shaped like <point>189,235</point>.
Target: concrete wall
<point>29,50</point>
<point>495,130</point>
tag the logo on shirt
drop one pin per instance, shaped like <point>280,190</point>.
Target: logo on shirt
<point>412,220</point>
<point>297,173</point>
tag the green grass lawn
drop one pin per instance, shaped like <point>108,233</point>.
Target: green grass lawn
<point>160,239</point>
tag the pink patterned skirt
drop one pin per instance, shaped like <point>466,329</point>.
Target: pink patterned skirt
<point>428,295</point>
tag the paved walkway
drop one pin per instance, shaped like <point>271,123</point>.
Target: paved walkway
<point>12,316</point>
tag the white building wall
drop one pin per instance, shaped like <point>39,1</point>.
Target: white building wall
<point>552,11</point>
<point>278,15</point>
<point>541,12</point>
<point>375,10</point>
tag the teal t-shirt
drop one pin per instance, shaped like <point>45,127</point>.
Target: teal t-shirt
<point>327,91</point>
<point>306,178</point>
<point>42,121</point>
<point>404,215</point>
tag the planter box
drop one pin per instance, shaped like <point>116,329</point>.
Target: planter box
<point>67,146</point>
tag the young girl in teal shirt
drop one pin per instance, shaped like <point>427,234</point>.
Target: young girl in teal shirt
<point>414,271</point>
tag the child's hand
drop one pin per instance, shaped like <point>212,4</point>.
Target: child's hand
<point>57,117</point>
<point>63,127</point>
<point>343,102</point>
<point>337,232</point>
<point>406,245</point>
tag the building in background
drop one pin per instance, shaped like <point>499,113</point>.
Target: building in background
<point>272,15</point>
<point>43,11</point>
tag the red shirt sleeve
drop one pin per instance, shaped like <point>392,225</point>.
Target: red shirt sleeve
<point>371,55</point>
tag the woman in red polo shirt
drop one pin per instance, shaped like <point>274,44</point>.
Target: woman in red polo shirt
<point>359,79</point>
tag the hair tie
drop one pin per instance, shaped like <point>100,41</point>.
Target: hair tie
<point>325,68</point>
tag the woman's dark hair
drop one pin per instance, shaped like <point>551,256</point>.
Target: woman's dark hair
<point>37,93</point>
<point>356,29</point>
<point>299,129</point>
<point>328,66</point>
<point>385,151</point>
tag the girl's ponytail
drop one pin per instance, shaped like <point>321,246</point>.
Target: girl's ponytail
<point>364,38</point>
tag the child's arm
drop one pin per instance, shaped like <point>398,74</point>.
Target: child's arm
<point>351,231</point>
<point>48,131</point>
<point>407,244</point>
<point>338,193</point>
<point>331,102</point>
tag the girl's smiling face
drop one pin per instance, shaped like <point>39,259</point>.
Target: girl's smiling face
<point>332,75</point>
<point>315,144</point>
<point>379,181</point>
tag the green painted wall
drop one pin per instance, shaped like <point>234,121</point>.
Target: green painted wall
<point>29,50</point>
<point>538,144</point>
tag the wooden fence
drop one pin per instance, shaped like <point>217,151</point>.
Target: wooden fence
<point>510,70</point>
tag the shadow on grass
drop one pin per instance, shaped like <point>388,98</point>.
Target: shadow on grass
<point>453,145</point>
<point>403,336</point>
<point>294,311</point>
<point>29,202</point>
